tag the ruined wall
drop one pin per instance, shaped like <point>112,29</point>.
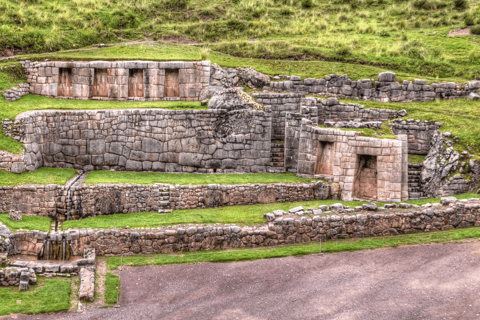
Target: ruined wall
<point>280,105</point>
<point>384,90</point>
<point>419,133</point>
<point>391,160</point>
<point>284,230</point>
<point>146,140</point>
<point>118,80</point>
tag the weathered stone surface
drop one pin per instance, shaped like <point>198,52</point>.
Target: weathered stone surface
<point>253,77</point>
<point>228,99</point>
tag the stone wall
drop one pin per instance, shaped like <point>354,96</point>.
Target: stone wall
<point>419,133</point>
<point>16,93</point>
<point>283,230</point>
<point>31,200</point>
<point>146,140</point>
<point>347,150</point>
<point>280,105</point>
<point>292,134</point>
<point>118,80</point>
<point>331,110</point>
<point>12,162</point>
<point>384,90</point>
<point>214,195</point>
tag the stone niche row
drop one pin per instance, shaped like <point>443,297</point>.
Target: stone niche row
<point>118,80</point>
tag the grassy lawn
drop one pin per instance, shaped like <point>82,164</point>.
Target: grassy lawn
<point>96,177</point>
<point>330,246</point>
<point>32,102</point>
<point>27,223</point>
<point>415,158</point>
<point>40,176</point>
<point>47,295</point>
<point>112,282</point>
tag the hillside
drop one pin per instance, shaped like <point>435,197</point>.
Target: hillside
<point>409,37</point>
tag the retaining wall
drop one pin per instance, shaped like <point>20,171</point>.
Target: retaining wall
<point>384,90</point>
<point>419,133</point>
<point>146,140</point>
<point>284,230</point>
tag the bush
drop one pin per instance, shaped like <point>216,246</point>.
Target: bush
<point>424,4</point>
<point>418,24</point>
<point>286,11</point>
<point>469,21</point>
<point>475,30</point>
<point>402,24</point>
<point>460,4</point>
<point>307,4</point>
<point>343,50</point>
<point>384,33</point>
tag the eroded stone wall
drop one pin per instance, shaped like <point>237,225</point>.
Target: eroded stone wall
<point>31,200</point>
<point>384,90</point>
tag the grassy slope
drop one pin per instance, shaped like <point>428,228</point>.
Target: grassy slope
<point>47,296</point>
<point>241,215</point>
<point>408,36</point>
<point>330,246</point>
<point>39,176</point>
<point>27,223</point>
<point>96,177</point>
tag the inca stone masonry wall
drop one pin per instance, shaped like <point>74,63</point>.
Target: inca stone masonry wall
<point>345,157</point>
<point>284,230</point>
<point>384,90</point>
<point>118,80</point>
<point>419,133</point>
<point>146,140</point>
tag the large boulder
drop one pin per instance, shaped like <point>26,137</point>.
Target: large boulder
<point>438,164</point>
<point>387,77</point>
<point>228,99</point>
<point>473,96</point>
<point>249,76</point>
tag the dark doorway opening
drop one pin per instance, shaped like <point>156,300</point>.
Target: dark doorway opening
<point>65,82</point>
<point>100,83</point>
<point>135,83</point>
<point>324,158</point>
<point>172,83</point>
<point>365,181</point>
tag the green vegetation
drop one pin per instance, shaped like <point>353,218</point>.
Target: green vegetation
<point>47,296</point>
<point>27,223</point>
<point>330,246</point>
<point>459,117</point>
<point>40,176</point>
<point>415,158</point>
<point>112,282</point>
<point>96,177</point>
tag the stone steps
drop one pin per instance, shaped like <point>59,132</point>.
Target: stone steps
<point>277,158</point>
<point>164,203</point>
<point>414,181</point>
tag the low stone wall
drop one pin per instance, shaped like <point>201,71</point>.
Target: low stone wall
<point>16,93</point>
<point>283,230</point>
<point>455,185</point>
<point>12,162</point>
<point>419,133</point>
<point>384,90</point>
<point>280,104</point>
<point>30,200</point>
<point>214,195</point>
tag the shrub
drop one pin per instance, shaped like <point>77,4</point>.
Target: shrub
<point>418,24</point>
<point>384,33</point>
<point>460,4</point>
<point>343,50</point>
<point>475,30</point>
<point>286,11</point>
<point>469,21</point>
<point>424,4</point>
<point>307,3</point>
<point>402,24</point>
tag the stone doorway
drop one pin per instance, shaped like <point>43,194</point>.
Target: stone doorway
<point>172,83</point>
<point>324,163</point>
<point>135,83</point>
<point>365,181</point>
<point>100,83</point>
<point>65,82</point>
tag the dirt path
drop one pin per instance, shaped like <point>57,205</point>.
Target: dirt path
<point>416,282</point>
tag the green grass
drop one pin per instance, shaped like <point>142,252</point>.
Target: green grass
<point>385,132</point>
<point>241,215</point>
<point>40,176</point>
<point>330,246</point>
<point>96,177</point>
<point>247,215</point>
<point>415,158</point>
<point>112,282</point>
<point>9,110</point>
<point>407,36</point>
<point>27,223</point>
<point>47,296</point>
